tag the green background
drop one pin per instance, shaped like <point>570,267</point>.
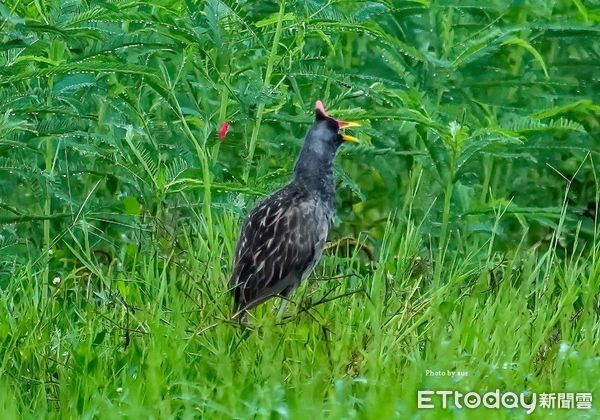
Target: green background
<point>465,237</point>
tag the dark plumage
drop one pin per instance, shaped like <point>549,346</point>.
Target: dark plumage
<point>282,239</point>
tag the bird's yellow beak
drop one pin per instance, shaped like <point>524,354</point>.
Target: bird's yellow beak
<point>347,124</point>
<point>347,137</point>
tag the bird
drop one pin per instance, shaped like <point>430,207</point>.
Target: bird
<point>282,239</point>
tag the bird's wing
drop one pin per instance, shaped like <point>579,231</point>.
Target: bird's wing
<point>279,242</point>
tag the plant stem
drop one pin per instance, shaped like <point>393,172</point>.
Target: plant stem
<point>222,112</point>
<point>204,159</point>
<point>267,81</point>
<point>47,209</point>
<point>48,158</point>
<point>445,220</point>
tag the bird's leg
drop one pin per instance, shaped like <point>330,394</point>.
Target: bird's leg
<point>243,318</point>
<point>284,302</point>
<point>281,310</point>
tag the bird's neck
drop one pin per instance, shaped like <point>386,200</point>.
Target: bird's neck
<point>314,171</point>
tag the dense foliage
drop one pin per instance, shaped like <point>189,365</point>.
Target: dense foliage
<point>476,174</point>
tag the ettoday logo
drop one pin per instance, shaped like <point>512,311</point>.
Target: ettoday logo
<point>496,399</point>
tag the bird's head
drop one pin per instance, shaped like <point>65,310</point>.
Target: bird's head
<point>327,128</point>
<point>321,144</point>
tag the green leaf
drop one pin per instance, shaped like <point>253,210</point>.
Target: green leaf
<point>273,20</point>
<point>132,206</point>
<point>478,144</point>
<point>526,45</point>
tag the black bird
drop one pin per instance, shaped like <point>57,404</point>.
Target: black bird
<point>283,238</point>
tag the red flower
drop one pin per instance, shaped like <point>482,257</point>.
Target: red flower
<point>223,130</point>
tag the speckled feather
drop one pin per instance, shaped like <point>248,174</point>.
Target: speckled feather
<point>279,245</point>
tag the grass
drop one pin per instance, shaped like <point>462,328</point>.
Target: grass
<point>155,341</point>
<point>465,239</point>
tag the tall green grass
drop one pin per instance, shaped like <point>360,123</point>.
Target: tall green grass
<point>154,340</point>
